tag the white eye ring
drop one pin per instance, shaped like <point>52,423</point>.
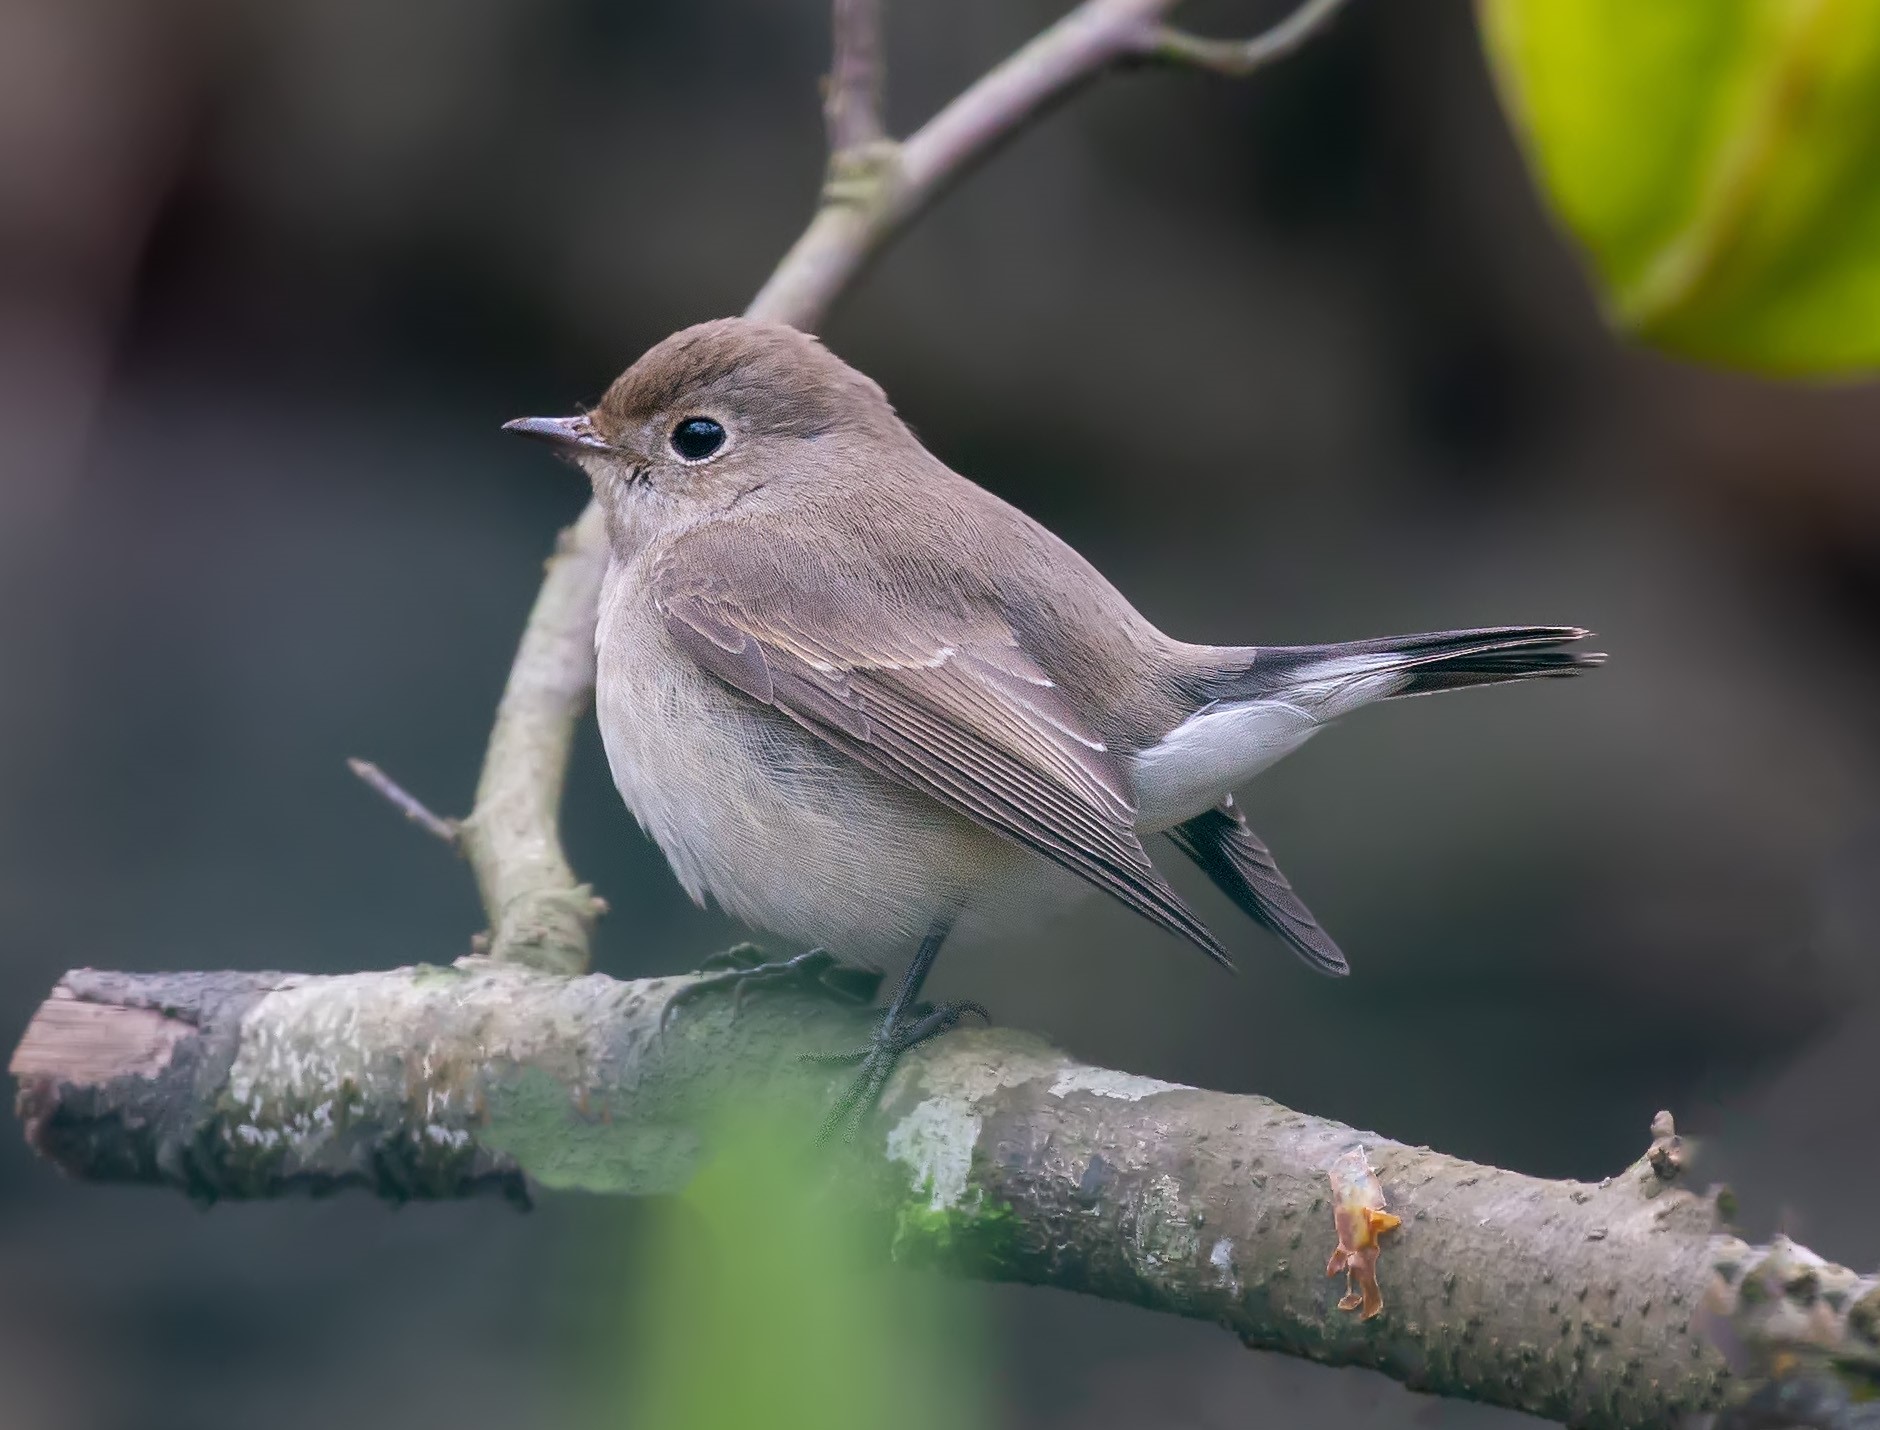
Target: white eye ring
<point>697,439</point>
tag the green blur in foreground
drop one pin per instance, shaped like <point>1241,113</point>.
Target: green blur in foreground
<point>1719,161</point>
<point>761,1305</point>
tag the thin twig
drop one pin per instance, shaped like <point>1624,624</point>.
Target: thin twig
<point>404,801</point>
<point>852,105</point>
<point>1240,58</point>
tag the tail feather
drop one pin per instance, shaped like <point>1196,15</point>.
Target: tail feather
<point>1255,704</point>
<point>1242,867</point>
<point>1426,663</point>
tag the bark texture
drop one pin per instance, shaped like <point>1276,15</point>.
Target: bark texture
<point>992,1155</point>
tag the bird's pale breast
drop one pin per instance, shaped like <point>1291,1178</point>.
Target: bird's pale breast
<point>755,812</point>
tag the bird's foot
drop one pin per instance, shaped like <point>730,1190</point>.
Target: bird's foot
<point>876,1061</point>
<point>743,967</point>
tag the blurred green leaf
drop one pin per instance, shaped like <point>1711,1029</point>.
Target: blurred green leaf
<point>1718,159</point>
<point>763,1305</point>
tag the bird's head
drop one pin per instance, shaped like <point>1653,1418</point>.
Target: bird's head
<point>714,414</point>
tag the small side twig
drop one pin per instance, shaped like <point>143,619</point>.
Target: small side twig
<point>1168,45</point>
<point>405,802</point>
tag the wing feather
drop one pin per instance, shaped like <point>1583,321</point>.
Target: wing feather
<point>960,712</point>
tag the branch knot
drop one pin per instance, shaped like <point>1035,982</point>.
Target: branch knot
<point>1666,1154</point>
<point>547,929</point>
<point>865,178</point>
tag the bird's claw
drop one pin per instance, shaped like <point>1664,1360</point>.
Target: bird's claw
<point>876,1061</point>
<point>738,956</point>
<point>742,968</point>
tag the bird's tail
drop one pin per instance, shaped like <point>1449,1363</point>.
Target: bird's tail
<point>1391,667</point>
<point>1256,704</point>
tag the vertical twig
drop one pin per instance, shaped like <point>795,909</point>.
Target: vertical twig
<point>852,103</point>
<point>539,913</point>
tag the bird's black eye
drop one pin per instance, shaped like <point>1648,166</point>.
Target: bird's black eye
<point>697,438</point>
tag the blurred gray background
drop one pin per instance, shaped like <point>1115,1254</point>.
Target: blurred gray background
<point>1292,359</point>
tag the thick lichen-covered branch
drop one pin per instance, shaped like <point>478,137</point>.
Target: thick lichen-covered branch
<point>992,1155</point>
<point>540,914</point>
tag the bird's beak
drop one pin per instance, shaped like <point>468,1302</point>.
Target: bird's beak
<point>567,435</point>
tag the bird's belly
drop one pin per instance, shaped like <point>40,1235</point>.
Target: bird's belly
<point>781,831</point>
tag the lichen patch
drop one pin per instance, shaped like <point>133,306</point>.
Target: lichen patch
<point>1221,1258</point>
<point>935,1142</point>
<point>1103,1082</point>
<point>1164,1231</point>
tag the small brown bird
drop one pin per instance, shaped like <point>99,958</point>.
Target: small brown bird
<point>854,696</point>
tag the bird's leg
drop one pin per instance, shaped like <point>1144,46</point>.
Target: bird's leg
<point>907,1023</point>
<point>741,968</point>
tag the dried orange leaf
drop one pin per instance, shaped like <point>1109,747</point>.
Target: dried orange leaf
<point>1359,1216</point>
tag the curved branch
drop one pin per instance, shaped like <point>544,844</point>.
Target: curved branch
<point>993,1155</point>
<point>539,914</point>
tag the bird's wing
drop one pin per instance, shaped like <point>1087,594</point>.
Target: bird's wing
<point>1242,867</point>
<point>946,705</point>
